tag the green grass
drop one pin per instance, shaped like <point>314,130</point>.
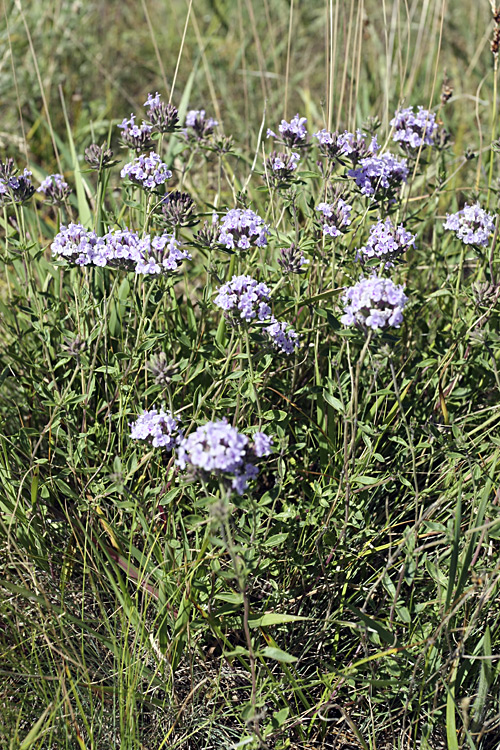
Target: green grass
<point>352,595</point>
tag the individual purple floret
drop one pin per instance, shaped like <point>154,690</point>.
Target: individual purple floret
<point>387,242</point>
<point>147,171</point>
<point>472,225</point>
<point>163,117</point>
<point>335,216</point>
<point>159,428</point>
<point>133,136</point>
<point>282,336</point>
<point>54,189</point>
<point>14,188</point>
<point>241,228</point>
<point>119,248</point>
<point>352,146</point>
<point>244,299</point>
<point>380,175</point>
<point>292,133</point>
<point>198,126</point>
<point>217,448</point>
<point>281,167</point>
<point>375,302</point>
<point>411,130</point>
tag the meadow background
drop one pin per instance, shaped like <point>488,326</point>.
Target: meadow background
<point>350,599</point>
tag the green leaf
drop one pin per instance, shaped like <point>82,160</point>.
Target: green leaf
<point>277,654</point>
<point>273,618</point>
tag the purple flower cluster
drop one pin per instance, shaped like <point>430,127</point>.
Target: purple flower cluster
<point>133,136</point>
<point>160,254</point>
<point>198,126</point>
<point>411,130</point>
<point>244,298</point>
<point>374,302</point>
<point>281,167</point>
<point>292,133</point>
<point>163,117</point>
<point>242,228</point>
<point>159,428</point>
<point>147,171</point>
<point>387,242</point>
<point>335,217</point>
<point>353,146</point>
<point>14,188</point>
<point>54,189</point>
<point>119,249</point>
<point>380,174</point>
<point>282,336</point>
<point>472,225</point>
<point>217,448</point>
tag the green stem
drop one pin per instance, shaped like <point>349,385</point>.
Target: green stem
<point>252,376</point>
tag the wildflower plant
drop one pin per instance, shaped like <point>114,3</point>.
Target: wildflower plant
<point>281,167</point>
<point>335,217</point>
<point>242,228</point>
<point>293,134</point>
<point>374,302</point>
<point>138,138</point>
<point>14,188</point>
<point>244,299</point>
<point>218,449</point>
<point>54,189</point>
<point>159,428</point>
<point>163,117</point>
<point>346,147</point>
<point>149,172</point>
<point>198,126</point>
<point>227,437</point>
<point>414,130</point>
<point>380,176</point>
<point>472,225</point>
<point>387,242</point>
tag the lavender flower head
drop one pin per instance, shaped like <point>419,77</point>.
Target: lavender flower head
<point>282,336</point>
<point>217,448</point>
<point>292,133</point>
<point>352,146</point>
<point>160,254</point>
<point>292,259</point>
<point>472,225</point>
<point>387,242</point>
<point>243,299</point>
<point>198,126</point>
<point>163,117</point>
<point>147,171</point>
<point>242,228</point>
<point>14,188</point>
<point>374,302</point>
<point>98,157</point>
<point>411,130</point>
<point>179,209</point>
<point>380,176</point>
<point>281,167</point>
<point>133,136</point>
<point>119,248</point>
<point>335,216</point>
<point>159,428</point>
<point>54,189</point>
